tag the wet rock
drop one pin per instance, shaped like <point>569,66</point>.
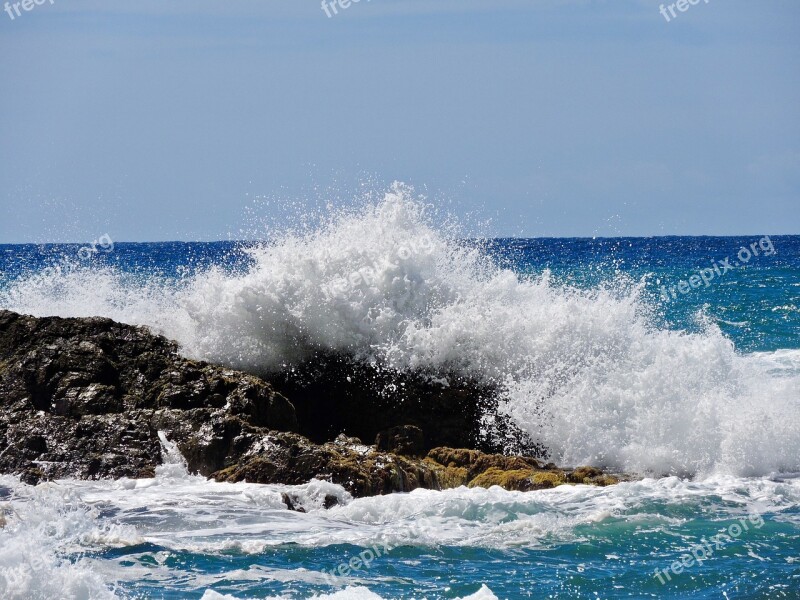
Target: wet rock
<point>406,440</point>
<point>32,475</point>
<point>292,503</point>
<point>592,476</point>
<point>86,398</point>
<point>476,462</point>
<point>334,394</point>
<point>521,480</point>
<point>366,470</point>
<point>281,457</point>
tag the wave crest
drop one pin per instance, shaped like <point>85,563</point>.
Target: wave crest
<point>585,372</point>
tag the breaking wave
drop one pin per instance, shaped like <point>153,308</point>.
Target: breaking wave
<point>585,372</point>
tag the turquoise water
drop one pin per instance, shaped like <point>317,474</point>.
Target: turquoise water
<point>733,343</point>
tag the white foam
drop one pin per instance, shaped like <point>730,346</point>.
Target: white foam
<point>585,372</point>
<point>352,593</point>
<point>173,465</point>
<point>51,525</point>
<point>47,530</point>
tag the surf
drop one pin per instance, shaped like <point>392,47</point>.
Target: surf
<point>588,373</point>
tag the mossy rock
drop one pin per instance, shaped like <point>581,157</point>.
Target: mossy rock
<point>583,474</point>
<point>256,470</point>
<point>227,475</point>
<point>591,476</point>
<point>504,463</point>
<point>543,480</point>
<point>476,462</point>
<point>455,457</point>
<point>604,480</point>
<point>445,477</point>
<point>516,479</point>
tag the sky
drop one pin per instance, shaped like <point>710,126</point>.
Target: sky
<point>205,120</point>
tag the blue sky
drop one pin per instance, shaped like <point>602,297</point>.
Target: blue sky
<point>191,119</point>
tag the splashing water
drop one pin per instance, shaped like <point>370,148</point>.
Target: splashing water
<point>173,465</point>
<point>585,371</point>
<point>188,537</point>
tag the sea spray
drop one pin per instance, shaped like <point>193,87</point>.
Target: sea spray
<point>45,544</point>
<point>174,465</point>
<point>586,372</point>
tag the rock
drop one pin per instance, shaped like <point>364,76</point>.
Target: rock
<point>334,394</point>
<point>32,476</point>
<point>86,397</point>
<point>292,503</point>
<point>406,440</point>
<point>592,476</point>
<point>522,480</point>
<point>281,457</point>
<point>477,462</point>
<point>366,470</point>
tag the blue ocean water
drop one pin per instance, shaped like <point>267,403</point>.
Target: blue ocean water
<point>180,536</point>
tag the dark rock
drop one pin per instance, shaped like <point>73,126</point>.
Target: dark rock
<point>31,476</point>
<point>366,471</point>
<point>406,440</point>
<point>336,394</point>
<point>292,504</point>
<point>86,398</point>
<point>281,457</point>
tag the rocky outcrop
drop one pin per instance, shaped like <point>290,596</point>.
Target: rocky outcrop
<point>335,394</point>
<point>87,398</point>
<point>406,440</point>
<point>366,471</point>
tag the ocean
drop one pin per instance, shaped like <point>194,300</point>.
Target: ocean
<point>673,358</point>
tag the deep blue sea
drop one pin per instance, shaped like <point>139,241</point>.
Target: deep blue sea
<point>697,390</point>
